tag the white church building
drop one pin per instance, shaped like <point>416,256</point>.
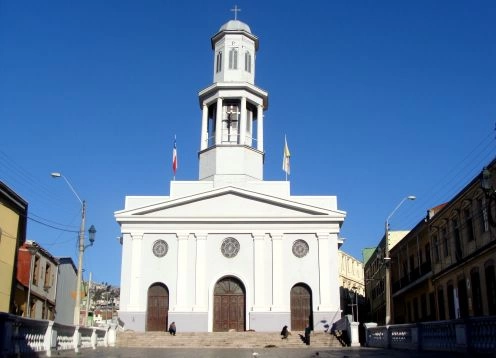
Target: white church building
<point>230,250</point>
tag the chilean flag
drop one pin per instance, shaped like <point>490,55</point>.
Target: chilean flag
<point>174,157</point>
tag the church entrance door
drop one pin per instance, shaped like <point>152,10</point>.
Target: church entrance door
<point>301,307</point>
<point>229,305</point>
<point>157,310</point>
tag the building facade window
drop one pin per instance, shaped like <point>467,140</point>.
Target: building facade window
<point>476,292</point>
<point>48,276</point>
<point>423,307</point>
<point>462,297</point>
<point>218,66</point>
<point>483,219</point>
<point>440,303</point>
<point>469,224</point>
<point>248,61</point>
<point>490,286</point>
<point>456,238</point>
<point>445,239</point>
<point>233,59</point>
<point>36,270</point>
<point>435,241</point>
<point>451,301</point>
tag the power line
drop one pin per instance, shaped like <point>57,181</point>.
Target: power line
<point>51,226</point>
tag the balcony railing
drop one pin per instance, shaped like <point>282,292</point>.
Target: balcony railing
<point>21,335</point>
<point>475,335</point>
<point>412,276</point>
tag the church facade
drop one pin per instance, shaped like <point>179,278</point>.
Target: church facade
<point>230,250</point>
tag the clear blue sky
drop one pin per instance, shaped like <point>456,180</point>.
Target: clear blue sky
<point>378,99</point>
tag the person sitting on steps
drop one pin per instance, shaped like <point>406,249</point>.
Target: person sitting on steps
<point>172,328</point>
<point>284,332</point>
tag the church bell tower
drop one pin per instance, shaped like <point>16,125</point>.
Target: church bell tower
<point>231,148</point>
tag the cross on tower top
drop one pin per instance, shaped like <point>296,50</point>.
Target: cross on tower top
<point>236,10</point>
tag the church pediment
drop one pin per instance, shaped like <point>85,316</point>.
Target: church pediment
<point>230,202</point>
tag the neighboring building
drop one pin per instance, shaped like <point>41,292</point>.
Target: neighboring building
<point>13,218</point>
<point>375,278</point>
<point>463,237</point>
<point>412,292</point>
<point>445,267</point>
<point>351,286</point>
<point>37,273</point>
<point>66,291</point>
<point>230,251</point>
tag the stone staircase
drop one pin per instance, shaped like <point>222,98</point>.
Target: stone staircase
<point>222,340</point>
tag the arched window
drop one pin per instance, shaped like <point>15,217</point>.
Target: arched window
<point>248,61</point>
<point>490,286</point>
<point>233,59</point>
<point>476,291</point>
<point>218,66</point>
<point>440,303</point>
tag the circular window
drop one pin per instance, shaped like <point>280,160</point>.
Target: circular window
<point>300,248</point>
<point>229,247</point>
<point>160,248</point>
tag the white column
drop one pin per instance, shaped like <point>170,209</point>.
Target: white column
<point>325,263</point>
<point>277,273</point>
<point>182,271</point>
<point>260,145</point>
<point>136,294</point>
<point>332,299</point>
<point>218,122</point>
<point>201,293</point>
<point>259,272</point>
<point>242,122</point>
<point>204,128</point>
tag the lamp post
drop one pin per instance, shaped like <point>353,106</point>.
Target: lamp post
<point>387,260</point>
<point>33,249</point>
<point>81,247</point>
<point>356,301</point>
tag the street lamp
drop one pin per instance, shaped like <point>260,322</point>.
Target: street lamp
<point>387,260</point>
<point>92,231</point>
<point>33,249</point>
<point>356,301</point>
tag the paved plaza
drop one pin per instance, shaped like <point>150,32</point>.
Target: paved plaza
<point>251,353</point>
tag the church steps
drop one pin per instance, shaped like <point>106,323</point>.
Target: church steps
<point>221,340</point>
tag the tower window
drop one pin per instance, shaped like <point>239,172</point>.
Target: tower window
<point>233,59</point>
<point>248,61</point>
<point>218,66</point>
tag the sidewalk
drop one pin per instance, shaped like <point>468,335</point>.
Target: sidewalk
<point>251,353</point>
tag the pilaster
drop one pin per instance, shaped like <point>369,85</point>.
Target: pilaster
<point>201,294</point>
<point>136,275</point>
<point>277,273</point>
<point>182,271</point>
<point>259,272</point>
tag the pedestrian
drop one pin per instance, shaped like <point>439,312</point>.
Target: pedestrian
<point>284,332</point>
<point>307,335</point>
<point>172,328</point>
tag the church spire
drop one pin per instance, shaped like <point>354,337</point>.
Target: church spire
<point>232,108</point>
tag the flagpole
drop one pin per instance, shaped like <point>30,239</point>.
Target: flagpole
<point>174,159</point>
<point>285,158</point>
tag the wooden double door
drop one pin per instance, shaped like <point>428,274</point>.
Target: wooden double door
<point>157,310</point>
<point>301,307</point>
<point>229,305</point>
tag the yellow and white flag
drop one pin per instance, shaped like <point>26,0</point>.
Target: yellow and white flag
<point>286,156</point>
